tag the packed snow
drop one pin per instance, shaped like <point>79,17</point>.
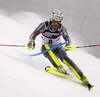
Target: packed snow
<point>25,76</point>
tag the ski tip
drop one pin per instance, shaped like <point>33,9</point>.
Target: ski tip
<point>47,68</point>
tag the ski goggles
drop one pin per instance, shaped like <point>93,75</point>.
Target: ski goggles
<point>56,22</point>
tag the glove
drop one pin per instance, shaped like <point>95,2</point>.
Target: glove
<point>31,45</point>
<point>69,47</point>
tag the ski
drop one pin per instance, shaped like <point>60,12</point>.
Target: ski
<point>55,72</point>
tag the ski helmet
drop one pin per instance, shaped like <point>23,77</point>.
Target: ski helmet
<point>56,15</point>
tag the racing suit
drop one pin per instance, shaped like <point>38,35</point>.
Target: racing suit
<point>51,37</point>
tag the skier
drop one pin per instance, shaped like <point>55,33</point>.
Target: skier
<point>51,32</point>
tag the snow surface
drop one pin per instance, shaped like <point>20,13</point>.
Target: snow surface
<point>24,76</point>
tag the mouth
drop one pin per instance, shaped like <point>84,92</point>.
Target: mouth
<point>55,25</point>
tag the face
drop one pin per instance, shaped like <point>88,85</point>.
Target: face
<point>55,24</point>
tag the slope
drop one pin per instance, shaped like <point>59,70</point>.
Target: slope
<point>23,76</point>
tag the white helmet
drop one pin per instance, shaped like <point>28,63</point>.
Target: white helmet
<point>56,15</point>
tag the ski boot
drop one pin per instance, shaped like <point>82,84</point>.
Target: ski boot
<point>61,69</point>
<point>90,87</point>
<point>86,82</point>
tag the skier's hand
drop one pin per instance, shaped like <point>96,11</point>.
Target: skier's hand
<point>69,47</point>
<point>31,45</point>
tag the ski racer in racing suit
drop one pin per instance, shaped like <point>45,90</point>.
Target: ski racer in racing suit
<point>51,32</point>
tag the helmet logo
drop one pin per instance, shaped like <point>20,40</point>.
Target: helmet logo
<point>57,16</point>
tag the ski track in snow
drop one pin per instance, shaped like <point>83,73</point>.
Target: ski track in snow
<point>24,76</point>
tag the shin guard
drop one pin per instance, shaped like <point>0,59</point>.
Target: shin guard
<point>50,55</point>
<point>75,69</point>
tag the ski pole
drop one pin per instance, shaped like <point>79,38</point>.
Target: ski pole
<point>88,46</point>
<point>48,49</point>
<point>13,45</point>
